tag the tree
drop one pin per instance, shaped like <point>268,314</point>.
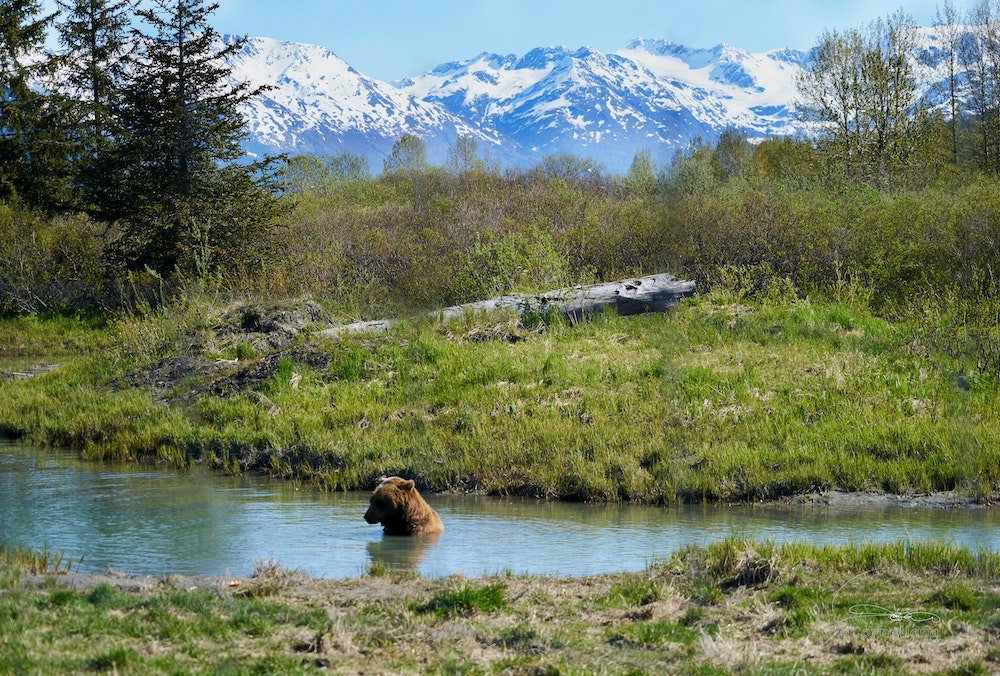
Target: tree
<point>859,86</point>
<point>785,159</point>
<point>949,32</point>
<point>318,173</point>
<point>409,154</point>
<point>732,154</point>
<point>580,172</point>
<point>348,167</point>
<point>690,171</point>
<point>979,52</point>
<point>899,115</point>
<point>463,157</point>
<point>94,38</point>
<point>641,177</point>
<point>183,199</point>
<point>34,146</point>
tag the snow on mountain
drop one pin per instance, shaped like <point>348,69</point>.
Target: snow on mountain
<point>733,87</point>
<point>318,104</point>
<point>650,94</point>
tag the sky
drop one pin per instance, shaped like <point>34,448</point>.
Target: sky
<point>394,39</point>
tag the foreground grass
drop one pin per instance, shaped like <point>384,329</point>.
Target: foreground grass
<point>723,399</point>
<point>738,606</point>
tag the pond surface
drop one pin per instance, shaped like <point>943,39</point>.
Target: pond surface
<point>157,522</point>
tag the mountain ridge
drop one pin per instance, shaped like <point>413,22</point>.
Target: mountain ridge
<point>650,94</point>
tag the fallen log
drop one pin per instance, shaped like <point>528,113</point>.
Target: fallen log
<point>652,293</point>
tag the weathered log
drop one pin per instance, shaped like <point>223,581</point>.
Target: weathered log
<point>652,293</point>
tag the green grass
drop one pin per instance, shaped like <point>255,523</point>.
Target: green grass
<point>465,601</point>
<point>715,401</point>
<point>36,561</point>
<point>654,633</point>
<point>740,561</point>
<point>820,609</point>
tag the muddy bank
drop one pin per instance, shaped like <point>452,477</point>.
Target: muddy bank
<point>941,500</point>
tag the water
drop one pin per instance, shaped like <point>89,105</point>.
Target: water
<point>157,522</point>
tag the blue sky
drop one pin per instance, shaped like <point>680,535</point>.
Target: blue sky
<point>392,39</point>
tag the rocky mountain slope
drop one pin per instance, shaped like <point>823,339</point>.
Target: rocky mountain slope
<point>650,94</point>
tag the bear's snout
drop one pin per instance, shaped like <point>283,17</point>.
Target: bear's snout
<point>370,515</point>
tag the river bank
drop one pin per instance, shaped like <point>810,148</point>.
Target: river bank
<point>718,400</point>
<point>737,606</point>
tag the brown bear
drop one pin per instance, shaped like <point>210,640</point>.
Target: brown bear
<point>396,504</point>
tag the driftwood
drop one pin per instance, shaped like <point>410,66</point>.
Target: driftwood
<point>653,293</point>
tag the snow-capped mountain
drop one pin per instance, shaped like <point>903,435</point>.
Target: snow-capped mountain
<point>318,104</point>
<point>649,95</point>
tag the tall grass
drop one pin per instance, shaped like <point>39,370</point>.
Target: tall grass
<point>738,605</point>
<point>728,397</point>
<point>36,561</point>
<point>739,560</point>
<point>845,338</point>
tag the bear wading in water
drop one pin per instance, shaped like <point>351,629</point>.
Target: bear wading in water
<point>396,504</point>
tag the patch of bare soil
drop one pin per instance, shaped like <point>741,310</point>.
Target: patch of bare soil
<point>270,331</point>
<point>943,499</point>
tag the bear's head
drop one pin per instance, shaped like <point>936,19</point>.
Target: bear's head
<point>396,504</point>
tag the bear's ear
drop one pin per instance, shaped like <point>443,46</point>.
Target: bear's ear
<point>408,485</point>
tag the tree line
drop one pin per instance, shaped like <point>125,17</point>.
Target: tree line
<point>859,86</point>
<point>136,123</point>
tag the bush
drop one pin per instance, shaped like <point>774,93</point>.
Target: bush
<point>377,247</point>
<point>49,265</point>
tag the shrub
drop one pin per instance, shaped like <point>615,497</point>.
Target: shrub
<point>49,265</point>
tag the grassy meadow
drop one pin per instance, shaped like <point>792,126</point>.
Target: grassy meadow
<point>845,337</point>
<point>738,606</point>
<point>724,398</point>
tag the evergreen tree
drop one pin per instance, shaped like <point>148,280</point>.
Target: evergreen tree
<point>34,147</point>
<point>183,199</point>
<point>94,37</point>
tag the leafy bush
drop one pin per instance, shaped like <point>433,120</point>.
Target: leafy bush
<point>49,265</point>
<point>427,237</point>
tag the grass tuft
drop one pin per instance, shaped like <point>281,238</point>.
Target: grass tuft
<point>269,578</point>
<point>43,561</point>
<point>465,601</point>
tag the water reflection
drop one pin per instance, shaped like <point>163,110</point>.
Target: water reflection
<point>158,522</point>
<point>399,552</point>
